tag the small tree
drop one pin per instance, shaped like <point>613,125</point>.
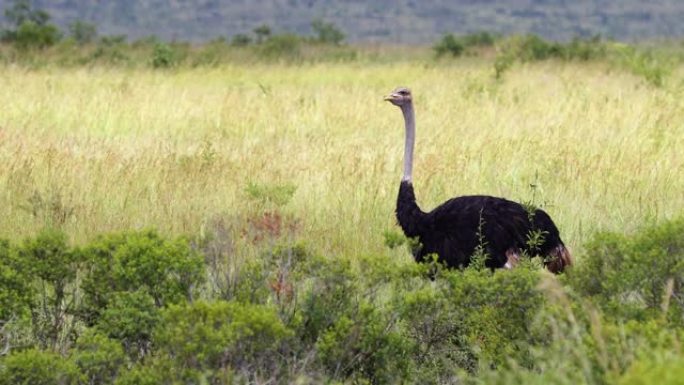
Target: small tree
<point>163,56</point>
<point>262,33</point>
<point>327,33</point>
<point>31,26</point>
<point>21,12</point>
<point>240,40</point>
<point>83,32</point>
<point>449,45</point>
<point>53,264</point>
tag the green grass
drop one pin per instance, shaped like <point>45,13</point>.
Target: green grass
<point>97,150</point>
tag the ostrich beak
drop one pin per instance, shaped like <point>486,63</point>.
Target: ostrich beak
<point>389,97</point>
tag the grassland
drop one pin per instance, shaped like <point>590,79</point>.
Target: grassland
<point>95,150</point>
<point>271,189</point>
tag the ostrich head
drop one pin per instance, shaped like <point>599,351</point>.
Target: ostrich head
<point>400,97</point>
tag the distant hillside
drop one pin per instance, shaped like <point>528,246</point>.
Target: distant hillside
<point>400,21</point>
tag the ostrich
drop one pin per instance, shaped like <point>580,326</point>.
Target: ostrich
<point>456,228</point>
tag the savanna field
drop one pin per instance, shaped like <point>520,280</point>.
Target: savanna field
<point>235,223</point>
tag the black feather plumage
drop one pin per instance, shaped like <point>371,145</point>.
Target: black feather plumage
<point>456,228</point>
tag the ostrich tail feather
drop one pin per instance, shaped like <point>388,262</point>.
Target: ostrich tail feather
<point>559,259</point>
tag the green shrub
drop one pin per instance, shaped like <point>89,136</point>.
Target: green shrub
<point>340,315</point>
<point>168,270</point>
<point>262,33</point>
<point>329,297</point>
<point>16,292</point>
<point>327,33</point>
<point>211,54</point>
<point>143,375</point>
<point>99,358</point>
<point>285,46</point>
<point>131,318</point>
<point>637,276</point>
<point>31,27</point>
<point>531,48</point>
<point>470,318</point>
<point>585,49</point>
<point>449,45</point>
<point>668,370</point>
<point>163,56</point>
<point>435,326</point>
<point>33,35</point>
<point>365,345</point>
<point>652,67</point>
<point>36,367</point>
<point>83,32</point>
<point>50,260</point>
<point>393,238</point>
<point>210,337</point>
<point>240,40</point>
<point>479,39</point>
<point>111,50</point>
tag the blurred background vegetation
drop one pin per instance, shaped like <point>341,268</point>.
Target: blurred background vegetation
<point>405,21</point>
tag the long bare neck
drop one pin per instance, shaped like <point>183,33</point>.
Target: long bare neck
<point>409,215</point>
<point>410,122</point>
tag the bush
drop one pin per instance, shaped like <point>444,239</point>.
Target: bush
<point>327,33</point>
<point>531,48</point>
<point>169,271</point>
<point>82,32</point>
<point>652,67</point>
<point>99,358</point>
<point>329,297</point>
<point>163,56</point>
<point>31,26</point>
<point>479,39</point>
<point>35,367</point>
<point>365,345</point>
<point>111,50</point>
<point>210,337</point>
<point>131,318</point>
<point>153,372</point>
<point>240,40</point>
<point>15,290</point>
<point>449,45</point>
<point>668,370</point>
<point>472,317</point>
<point>284,46</point>
<point>50,260</point>
<point>457,45</point>
<point>33,35</point>
<point>294,316</point>
<point>638,276</point>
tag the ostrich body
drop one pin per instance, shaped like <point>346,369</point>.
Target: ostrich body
<point>454,230</point>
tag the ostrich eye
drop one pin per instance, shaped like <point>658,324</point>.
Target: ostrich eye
<point>403,92</point>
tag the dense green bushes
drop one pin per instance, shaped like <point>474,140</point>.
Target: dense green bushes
<point>135,308</point>
<point>636,277</point>
<point>453,45</point>
<point>33,40</point>
<point>653,67</point>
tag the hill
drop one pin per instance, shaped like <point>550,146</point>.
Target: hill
<point>389,21</point>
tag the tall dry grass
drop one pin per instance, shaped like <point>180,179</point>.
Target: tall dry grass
<point>96,150</point>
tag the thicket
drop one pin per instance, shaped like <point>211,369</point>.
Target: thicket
<point>32,40</point>
<point>654,66</point>
<point>137,307</point>
<point>455,46</point>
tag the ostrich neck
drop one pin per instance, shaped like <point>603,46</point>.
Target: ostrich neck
<point>409,215</point>
<point>410,122</point>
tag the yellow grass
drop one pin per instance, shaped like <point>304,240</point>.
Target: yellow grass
<point>103,150</point>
